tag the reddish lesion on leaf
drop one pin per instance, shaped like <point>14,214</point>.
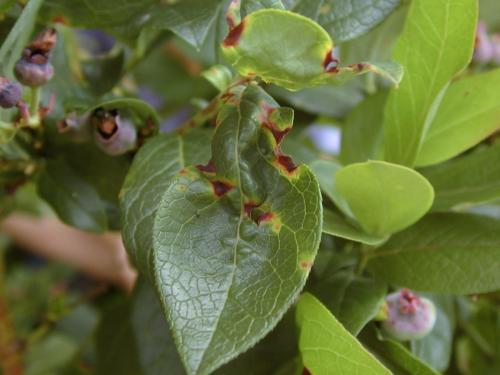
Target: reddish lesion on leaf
<point>330,63</point>
<point>221,187</point>
<point>234,35</point>
<point>306,264</point>
<point>207,168</point>
<point>249,206</point>
<point>279,122</point>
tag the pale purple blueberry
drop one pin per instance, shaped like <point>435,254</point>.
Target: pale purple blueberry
<point>114,135</point>
<point>484,49</point>
<point>325,137</point>
<point>10,93</point>
<point>34,68</point>
<point>409,316</point>
<point>32,74</point>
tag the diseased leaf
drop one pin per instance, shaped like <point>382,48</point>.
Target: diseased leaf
<point>436,43</point>
<point>336,225</point>
<point>234,240</point>
<point>326,345</point>
<point>469,179</point>
<point>384,197</point>
<point>469,112</point>
<point>304,57</point>
<point>345,19</point>
<point>148,178</point>
<point>442,253</point>
<point>393,354</point>
<point>75,201</point>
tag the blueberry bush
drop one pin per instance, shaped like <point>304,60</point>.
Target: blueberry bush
<point>303,187</point>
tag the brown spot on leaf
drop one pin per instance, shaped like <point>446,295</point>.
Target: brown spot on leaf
<point>249,206</point>
<point>330,63</point>
<point>221,187</point>
<point>306,264</point>
<point>306,372</point>
<point>266,216</point>
<point>286,163</point>
<point>207,168</point>
<point>234,35</point>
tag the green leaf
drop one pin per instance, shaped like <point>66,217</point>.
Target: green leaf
<point>116,346</point>
<point>325,344</point>
<point>469,179</point>
<point>75,201</point>
<point>384,197</point>
<point>190,19</point>
<point>435,349</point>
<point>18,37</point>
<point>330,101</point>
<point>345,19</point>
<point>336,225</point>
<point>362,132</point>
<point>148,178</point>
<point>443,253</point>
<point>303,57</point>
<point>436,43</point>
<point>156,349</point>
<point>325,171</point>
<point>353,300</point>
<point>468,113</point>
<point>248,218</point>
<point>394,355</point>
<point>7,132</point>
<point>219,76</point>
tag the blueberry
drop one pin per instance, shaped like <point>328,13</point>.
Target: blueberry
<point>34,68</point>
<point>409,316</point>
<point>32,74</point>
<point>10,93</point>
<point>114,135</point>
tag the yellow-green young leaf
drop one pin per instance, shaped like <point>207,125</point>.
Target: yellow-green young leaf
<point>325,171</point>
<point>444,253</point>
<point>327,347</point>
<point>148,178</point>
<point>336,225</point>
<point>292,51</point>
<point>469,112</point>
<point>436,43</point>
<point>384,197</point>
<point>472,178</point>
<point>234,240</point>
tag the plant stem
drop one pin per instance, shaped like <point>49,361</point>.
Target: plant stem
<point>34,120</point>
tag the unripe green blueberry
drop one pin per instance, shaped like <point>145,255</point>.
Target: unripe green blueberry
<point>10,93</point>
<point>114,135</point>
<point>409,316</point>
